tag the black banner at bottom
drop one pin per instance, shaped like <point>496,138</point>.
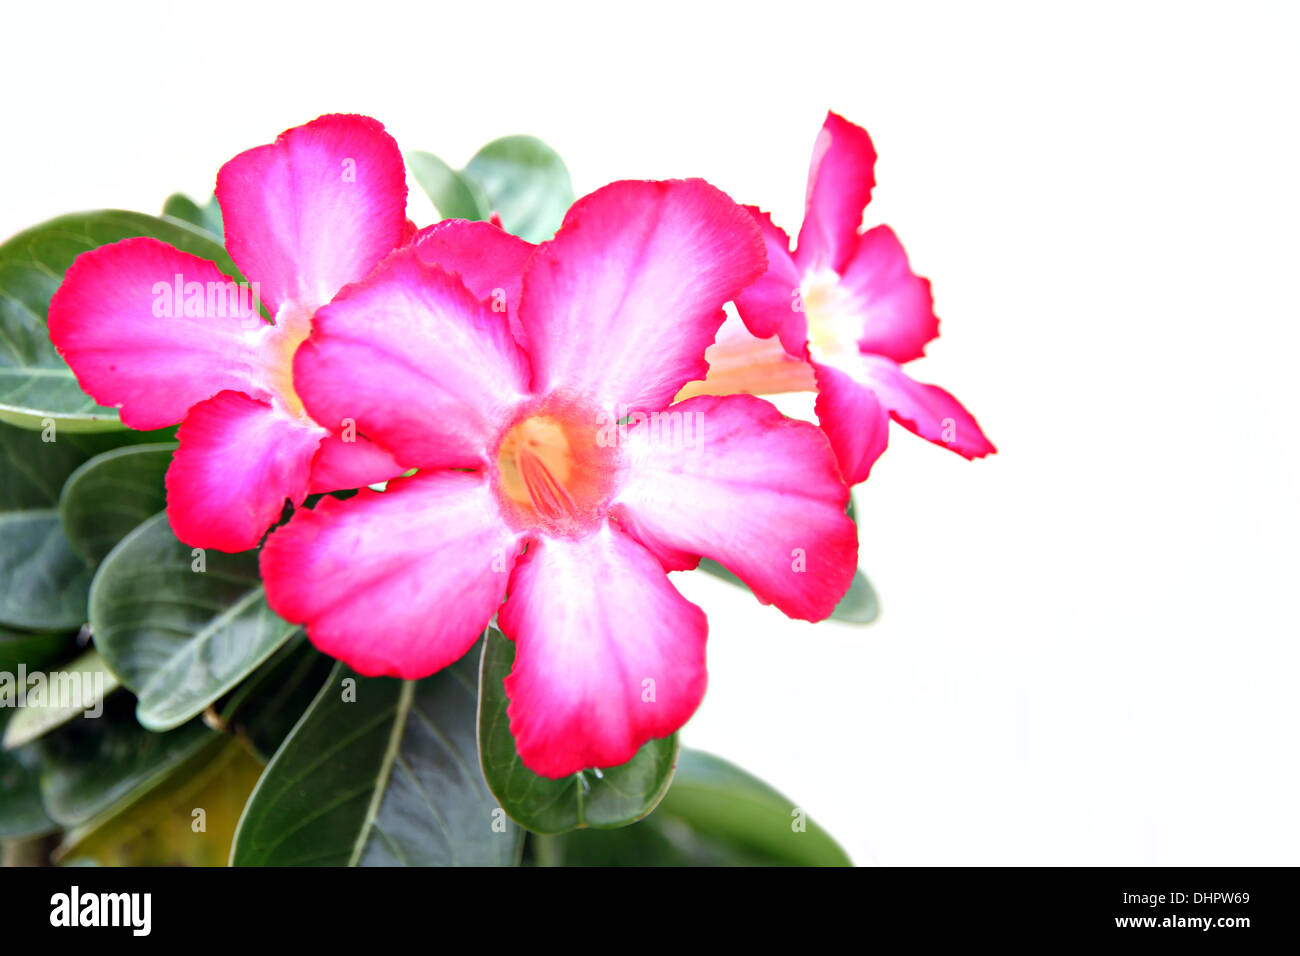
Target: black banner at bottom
<point>1229,906</point>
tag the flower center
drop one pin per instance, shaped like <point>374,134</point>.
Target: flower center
<point>554,472</point>
<point>278,344</point>
<point>834,316</point>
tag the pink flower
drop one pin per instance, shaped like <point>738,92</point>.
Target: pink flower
<point>552,469</point>
<point>167,338</point>
<point>847,311</point>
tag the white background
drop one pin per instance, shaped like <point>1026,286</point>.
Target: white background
<point>1088,652</point>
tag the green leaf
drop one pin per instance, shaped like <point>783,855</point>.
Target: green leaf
<point>612,797</point>
<point>33,470</point>
<point>157,828</point>
<point>33,651</point>
<point>454,194</point>
<point>718,797</point>
<point>35,383</point>
<point>715,814</point>
<point>526,183</point>
<point>387,778</point>
<point>263,710</point>
<point>860,605</point>
<point>45,583</point>
<point>111,494</point>
<point>180,638</point>
<point>84,683</point>
<point>22,814</point>
<point>207,217</point>
<point>88,766</point>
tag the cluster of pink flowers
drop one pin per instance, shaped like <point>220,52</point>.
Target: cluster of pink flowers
<point>476,377</point>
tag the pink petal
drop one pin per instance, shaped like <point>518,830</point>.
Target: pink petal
<point>415,362</point>
<point>771,305</point>
<point>238,460</point>
<point>840,179</point>
<point>117,321</point>
<point>619,307</point>
<point>898,309</point>
<point>489,260</point>
<point>340,464</point>
<point>608,655</point>
<point>926,410</point>
<point>399,582</point>
<point>314,210</point>
<point>757,492</point>
<point>854,421</point>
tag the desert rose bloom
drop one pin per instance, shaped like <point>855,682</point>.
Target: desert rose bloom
<point>552,473</point>
<point>167,338</point>
<point>846,311</point>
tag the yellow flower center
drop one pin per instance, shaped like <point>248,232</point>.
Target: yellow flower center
<point>278,345</point>
<point>553,470</point>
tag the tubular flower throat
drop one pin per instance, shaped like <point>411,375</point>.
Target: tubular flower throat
<point>553,474</point>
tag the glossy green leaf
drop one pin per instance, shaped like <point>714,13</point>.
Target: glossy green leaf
<point>36,386</point>
<point>88,766</point>
<point>379,772</point>
<point>33,469</point>
<point>111,494</point>
<point>178,637</point>
<point>263,710</point>
<point>78,687</point>
<point>22,814</point>
<point>454,194</point>
<point>45,582</point>
<point>612,797</point>
<point>33,651</point>
<point>207,217</point>
<point>526,183</point>
<point>715,814</point>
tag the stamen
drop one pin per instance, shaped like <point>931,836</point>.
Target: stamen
<point>553,472</point>
<point>547,495</point>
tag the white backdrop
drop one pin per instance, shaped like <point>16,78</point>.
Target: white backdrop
<point>1088,651</point>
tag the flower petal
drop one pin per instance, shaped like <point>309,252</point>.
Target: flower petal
<point>854,421</point>
<point>608,656</point>
<point>120,325</point>
<point>620,306</point>
<point>489,260</point>
<point>770,306</point>
<point>926,410</point>
<point>732,479</point>
<point>314,210</point>
<point>399,582</point>
<point>897,307</point>
<point>416,362</point>
<point>340,464</point>
<point>740,362</point>
<point>238,460</point>
<point>840,179</point>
